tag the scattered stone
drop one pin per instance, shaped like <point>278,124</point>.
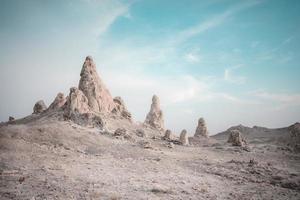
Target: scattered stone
<point>21,179</point>
<point>170,145</point>
<point>236,138</point>
<point>120,108</point>
<point>140,133</point>
<point>161,190</point>
<point>201,130</point>
<point>184,138</point>
<point>120,132</point>
<point>146,145</point>
<point>10,119</point>
<point>58,102</point>
<point>77,103</point>
<point>39,107</point>
<point>155,116</point>
<point>98,96</point>
<point>252,162</point>
<point>168,135</point>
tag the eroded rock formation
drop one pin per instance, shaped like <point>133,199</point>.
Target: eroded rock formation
<point>58,102</point>
<point>236,138</point>
<point>201,129</point>
<point>120,108</point>
<point>168,135</point>
<point>184,140</point>
<point>77,103</point>
<point>155,116</point>
<point>99,98</point>
<point>39,107</point>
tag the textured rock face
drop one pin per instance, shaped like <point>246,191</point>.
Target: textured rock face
<point>120,108</point>
<point>184,140</point>
<point>99,98</point>
<point>155,115</point>
<point>236,138</point>
<point>201,129</point>
<point>168,135</point>
<point>295,136</point>
<point>39,107</point>
<point>77,103</point>
<point>58,102</point>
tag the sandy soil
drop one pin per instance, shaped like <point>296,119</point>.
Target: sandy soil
<point>46,158</point>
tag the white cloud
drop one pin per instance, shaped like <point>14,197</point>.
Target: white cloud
<point>281,98</point>
<point>192,57</point>
<point>106,12</point>
<point>233,78</point>
<point>214,21</point>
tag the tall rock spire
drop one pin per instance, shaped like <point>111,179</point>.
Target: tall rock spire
<point>99,98</point>
<point>201,129</point>
<point>155,116</point>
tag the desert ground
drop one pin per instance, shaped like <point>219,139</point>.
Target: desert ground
<point>43,157</point>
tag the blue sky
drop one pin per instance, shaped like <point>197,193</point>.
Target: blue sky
<point>231,62</point>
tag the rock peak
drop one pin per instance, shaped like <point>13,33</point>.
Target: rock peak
<point>201,129</point>
<point>155,116</point>
<point>99,98</point>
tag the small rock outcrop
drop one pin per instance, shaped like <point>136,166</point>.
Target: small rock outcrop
<point>39,107</point>
<point>201,130</point>
<point>120,108</point>
<point>236,138</point>
<point>10,119</point>
<point>99,98</point>
<point>184,140</point>
<point>140,133</point>
<point>122,133</point>
<point>155,116</point>
<point>168,135</point>
<point>58,102</point>
<point>77,103</point>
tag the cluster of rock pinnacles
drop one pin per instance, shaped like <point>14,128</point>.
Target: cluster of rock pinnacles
<point>92,97</point>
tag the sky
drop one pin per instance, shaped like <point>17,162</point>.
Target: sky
<point>229,61</point>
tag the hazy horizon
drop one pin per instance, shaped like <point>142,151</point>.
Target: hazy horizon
<point>230,62</point>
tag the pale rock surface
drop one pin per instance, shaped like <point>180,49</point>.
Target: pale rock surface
<point>120,108</point>
<point>168,135</point>
<point>39,107</point>
<point>99,98</point>
<point>184,140</point>
<point>58,102</point>
<point>155,116</point>
<point>236,138</point>
<point>77,103</point>
<point>201,129</point>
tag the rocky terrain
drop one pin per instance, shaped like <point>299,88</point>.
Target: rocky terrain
<point>86,146</point>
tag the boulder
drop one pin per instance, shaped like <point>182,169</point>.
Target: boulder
<point>236,138</point>
<point>98,96</point>
<point>120,108</point>
<point>140,133</point>
<point>201,130</point>
<point>155,116</point>
<point>58,102</point>
<point>39,107</point>
<point>184,140</point>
